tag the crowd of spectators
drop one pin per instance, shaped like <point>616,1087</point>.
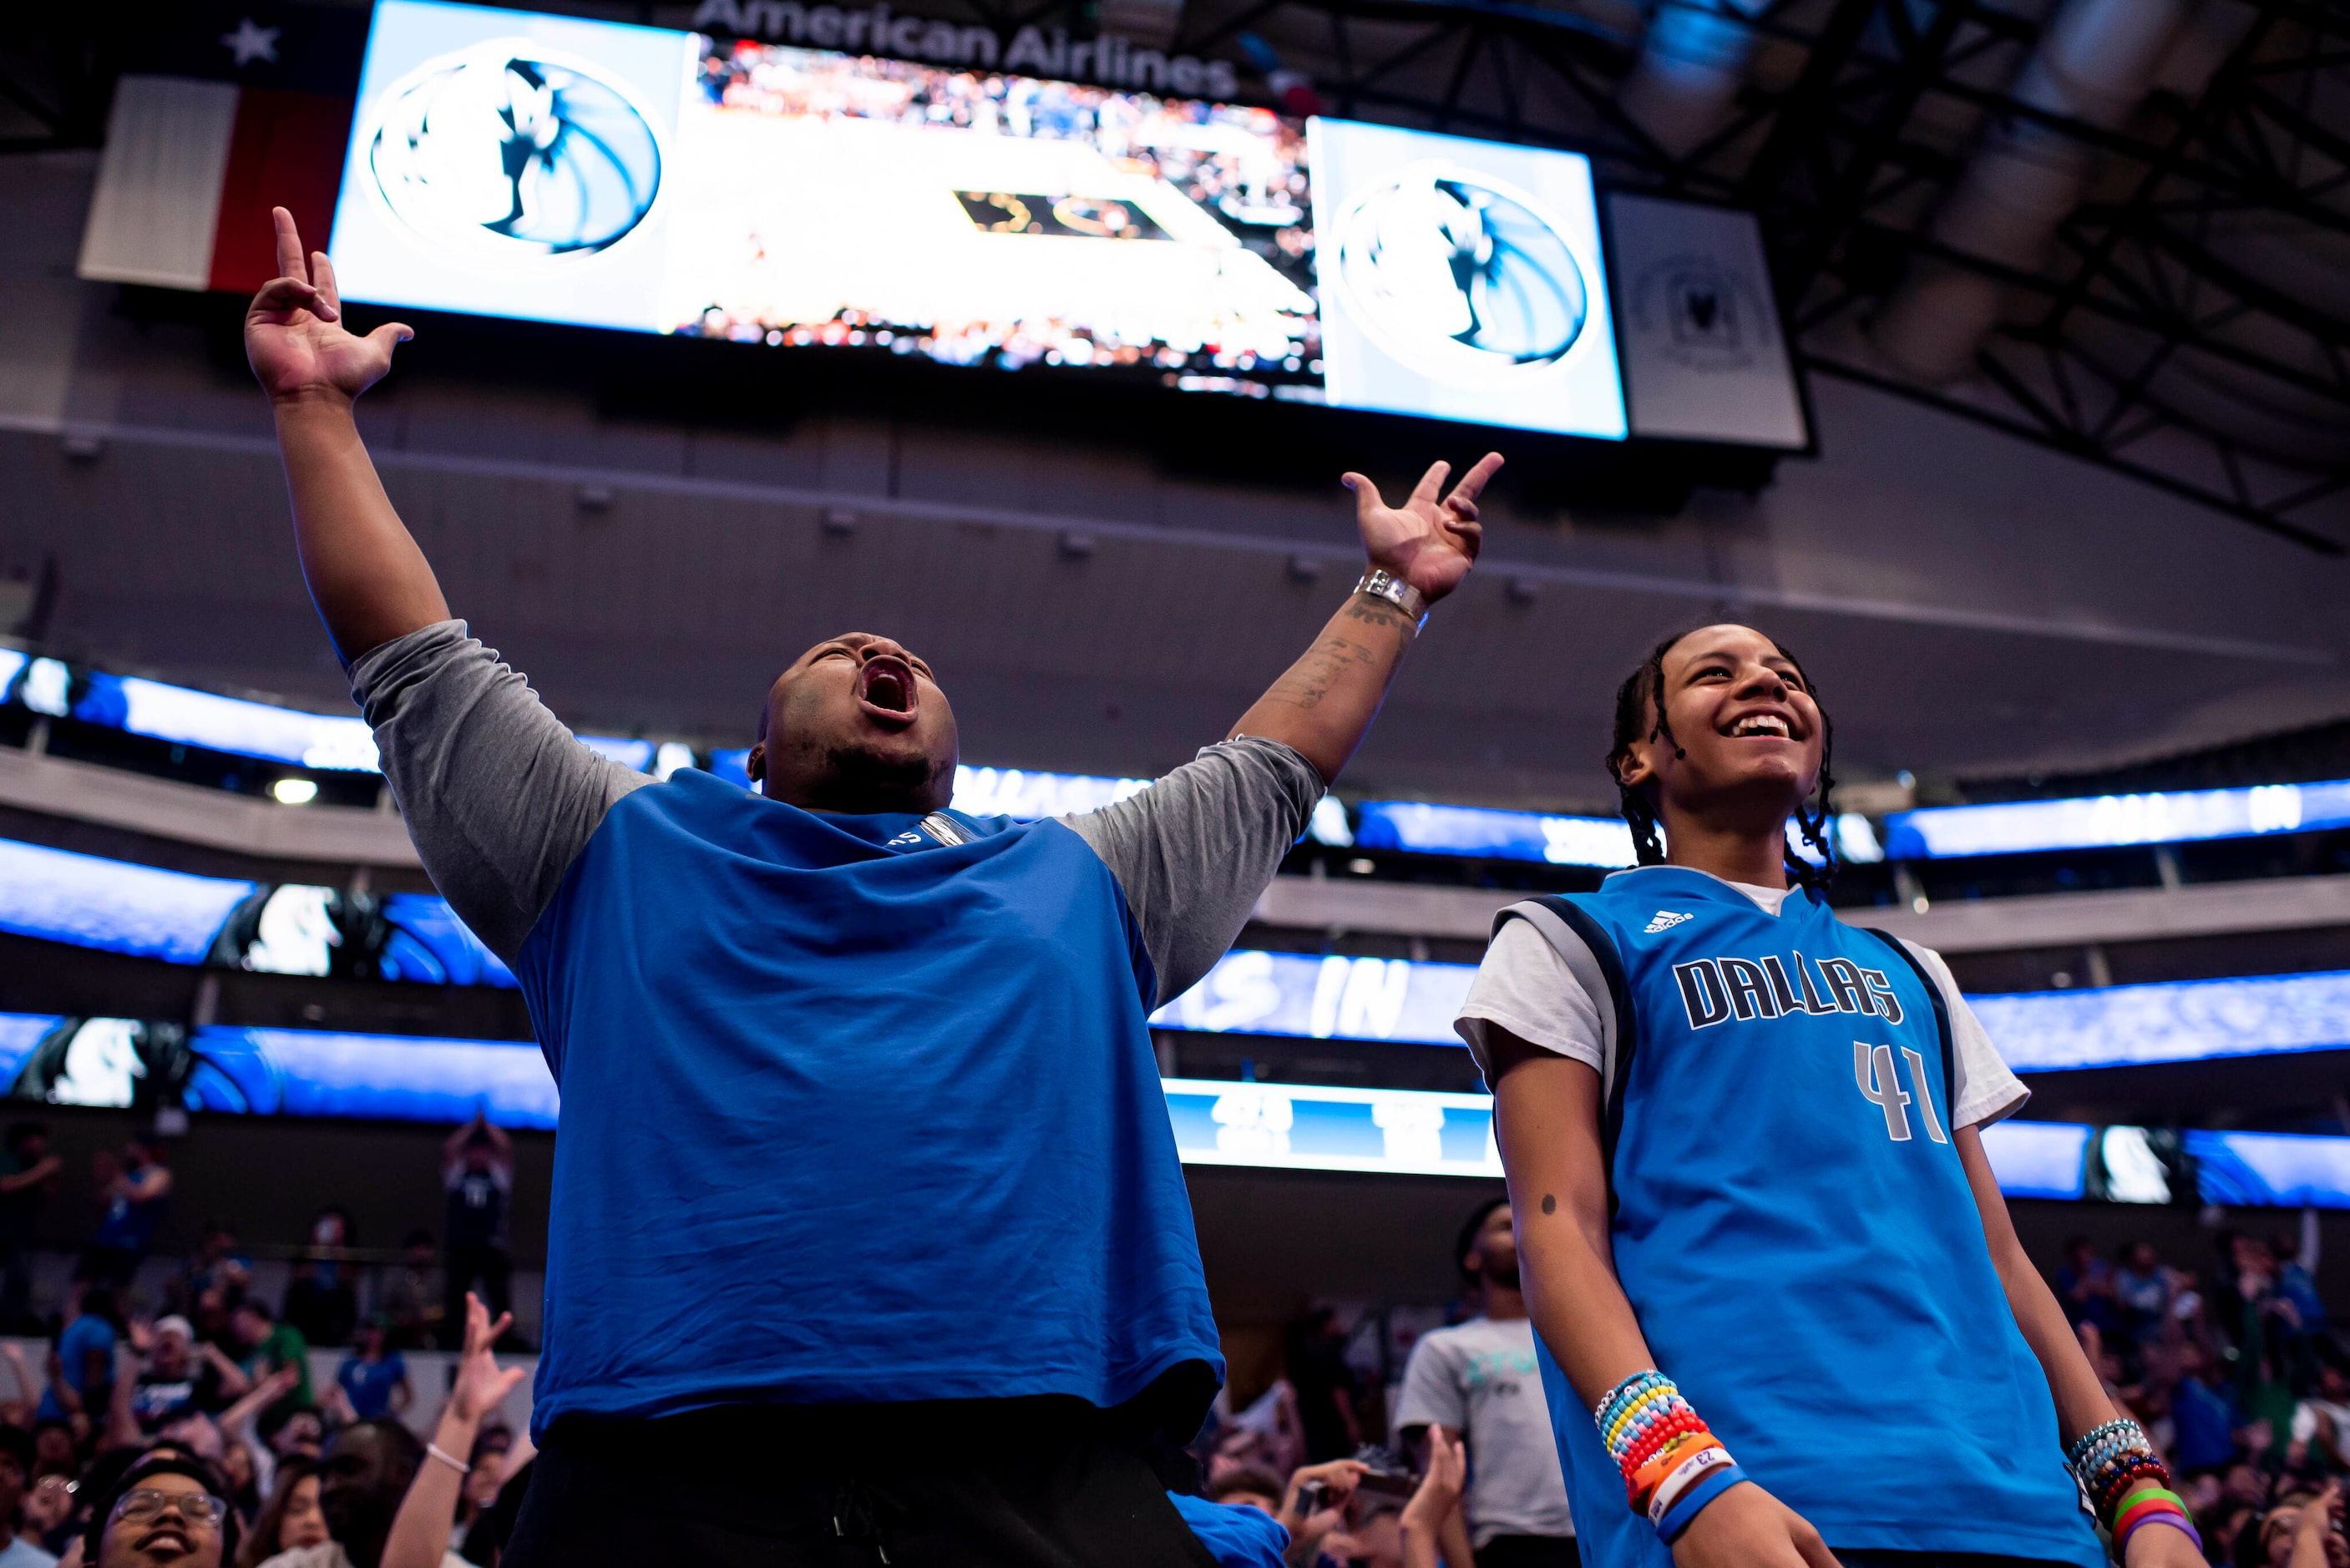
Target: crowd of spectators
<point>2237,1377</point>
<point>196,1436</point>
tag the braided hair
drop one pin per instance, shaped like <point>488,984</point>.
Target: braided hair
<point>1641,697</point>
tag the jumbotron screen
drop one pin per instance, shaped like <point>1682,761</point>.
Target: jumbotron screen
<point>514,164</point>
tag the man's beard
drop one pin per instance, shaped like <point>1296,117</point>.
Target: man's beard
<point>856,779</point>
<point>1507,1278</point>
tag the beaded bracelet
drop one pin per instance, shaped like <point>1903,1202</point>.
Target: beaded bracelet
<point>1672,1463</point>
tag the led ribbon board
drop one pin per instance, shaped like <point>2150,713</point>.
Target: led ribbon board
<point>2114,821</point>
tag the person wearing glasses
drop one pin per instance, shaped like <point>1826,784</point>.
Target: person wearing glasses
<point>168,1511</point>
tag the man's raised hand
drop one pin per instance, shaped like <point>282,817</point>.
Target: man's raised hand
<point>293,333</point>
<point>1427,543</point>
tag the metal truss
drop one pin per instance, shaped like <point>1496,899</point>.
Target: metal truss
<point>2141,346</point>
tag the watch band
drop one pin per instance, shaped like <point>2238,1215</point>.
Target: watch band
<point>1386,586</point>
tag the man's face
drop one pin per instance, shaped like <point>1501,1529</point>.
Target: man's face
<point>252,1328</point>
<point>358,1487</point>
<point>1494,1254</point>
<point>171,1354</point>
<point>164,1537</point>
<point>858,724</point>
<point>1748,734</point>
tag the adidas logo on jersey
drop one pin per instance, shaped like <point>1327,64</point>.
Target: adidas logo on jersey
<point>1665,921</point>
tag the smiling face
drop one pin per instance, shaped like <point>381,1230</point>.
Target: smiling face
<point>1745,739</point>
<point>161,1531</point>
<point>857,724</point>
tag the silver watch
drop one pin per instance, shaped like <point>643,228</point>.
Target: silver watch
<point>1395,591</point>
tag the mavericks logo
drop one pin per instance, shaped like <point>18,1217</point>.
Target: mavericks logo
<point>1457,275</point>
<point>506,150</point>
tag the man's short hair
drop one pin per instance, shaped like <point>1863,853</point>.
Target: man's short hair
<point>164,1462</point>
<point>1468,1233</point>
<point>1247,1479</point>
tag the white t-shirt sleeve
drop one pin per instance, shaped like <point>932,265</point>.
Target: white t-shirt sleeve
<point>1431,1383</point>
<point>1527,988</point>
<point>1985,1090</point>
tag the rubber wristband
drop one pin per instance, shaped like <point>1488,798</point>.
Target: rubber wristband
<point>1642,1483</point>
<point>1683,1476</point>
<point>2175,1521</point>
<point>1694,1500</point>
<point>2139,1510</point>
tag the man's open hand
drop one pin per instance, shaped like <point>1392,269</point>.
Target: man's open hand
<point>293,333</point>
<point>1427,543</point>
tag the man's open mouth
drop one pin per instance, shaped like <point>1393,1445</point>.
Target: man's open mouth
<point>1770,725</point>
<point>886,684</point>
<point>172,1535</point>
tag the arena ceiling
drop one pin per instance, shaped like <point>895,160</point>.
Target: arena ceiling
<point>2177,320</point>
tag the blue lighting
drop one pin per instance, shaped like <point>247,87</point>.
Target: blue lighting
<point>431,945</point>
<point>2038,1160</point>
<point>11,661</point>
<point>2178,1021</point>
<point>62,897</point>
<point>2270,1170</point>
<point>1427,829</point>
<point>218,723</point>
<point>634,755</point>
<point>1251,993</point>
<point>1025,796</point>
<point>2110,821</point>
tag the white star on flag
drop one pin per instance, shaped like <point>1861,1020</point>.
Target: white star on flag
<point>251,42</point>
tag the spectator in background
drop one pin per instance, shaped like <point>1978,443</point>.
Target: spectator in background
<point>1435,1504</point>
<point>477,1170</point>
<point>2203,1418</point>
<point>267,1347</point>
<point>53,1449</point>
<point>28,1173</point>
<point>81,1364</point>
<point>320,1300</point>
<point>2084,1286</point>
<point>418,1538</point>
<point>16,1473</point>
<point>1329,1392</point>
<point>2322,1420</point>
<point>372,1380</point>
<point>365,1474</point>
<point>213,1281</point>
<point>1248,1488</point>
<point>165,1510</point>
<point>291,1521</point>
<point>136,1187</point>
<point>173,1381</point>
<point>412,1297</point>
<point>46,1508</point>
<point>2141,1293</point>
<point>1479,1383</point>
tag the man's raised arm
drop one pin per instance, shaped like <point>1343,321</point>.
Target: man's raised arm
<point>1323,706</point>
<point>370,581</point>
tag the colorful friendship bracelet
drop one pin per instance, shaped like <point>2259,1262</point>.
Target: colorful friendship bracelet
<point>1672,1463</point>
<point>2126,1483</point>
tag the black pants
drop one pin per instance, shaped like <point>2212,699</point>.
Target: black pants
<point>1529,1552</point>
<point>993,1483</point>
<point>494,1268</point>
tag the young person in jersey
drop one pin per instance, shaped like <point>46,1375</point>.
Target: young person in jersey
<point>866,1221</point>
<point>1783,1312</point>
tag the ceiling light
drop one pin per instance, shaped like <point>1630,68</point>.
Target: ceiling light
<point>294,792</point>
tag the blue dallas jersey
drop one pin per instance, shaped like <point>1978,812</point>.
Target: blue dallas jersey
<point>852,1115</point>
<point>1795,1232</point>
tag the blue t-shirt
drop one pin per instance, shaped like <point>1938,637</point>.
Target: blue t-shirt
<point>1794,1231</point>
<point>367,1385</point>
<point>131,1225</point>
<point>849,1113</point>
<point>85,1335</point>
<point>1236,1535</point>
<point>2203,1424</point>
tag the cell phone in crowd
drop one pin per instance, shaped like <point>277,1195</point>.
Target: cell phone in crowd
<point>1313,1498</point>
<point>1389,1483</point>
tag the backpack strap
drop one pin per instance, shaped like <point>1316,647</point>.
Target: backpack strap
<point>1590,955</point>
<point>1941,1017</point>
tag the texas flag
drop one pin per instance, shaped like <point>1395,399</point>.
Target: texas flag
<point>242,109</point>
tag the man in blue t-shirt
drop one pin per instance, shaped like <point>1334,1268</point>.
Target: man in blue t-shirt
<point>82,1362</point>
<point>868,1224</point>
